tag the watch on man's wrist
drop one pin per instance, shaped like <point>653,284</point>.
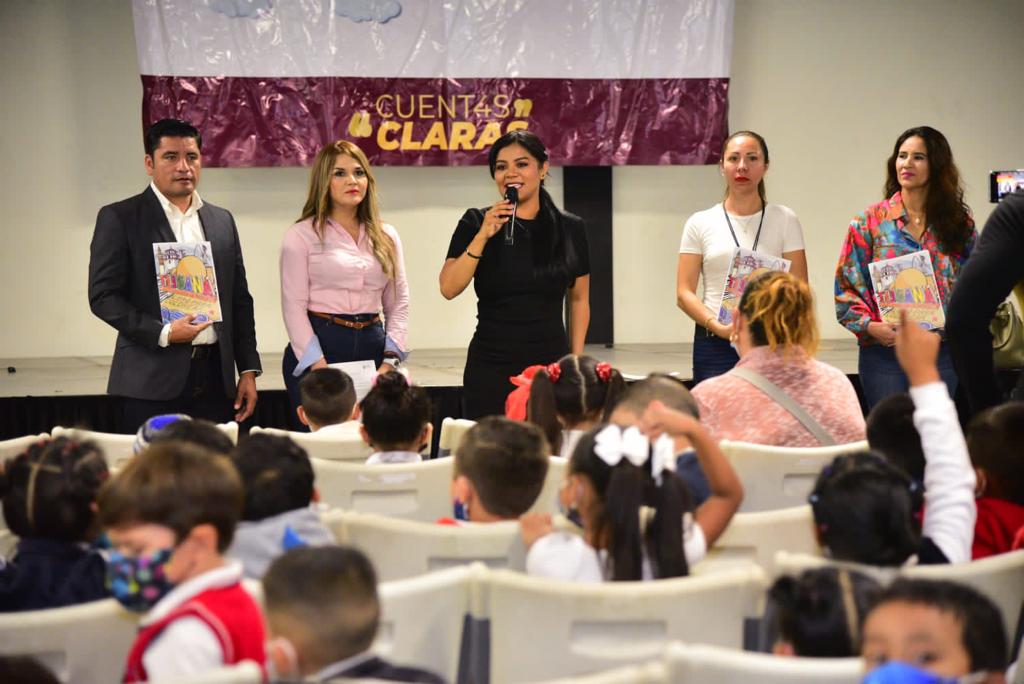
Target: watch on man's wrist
<point>393,361</point>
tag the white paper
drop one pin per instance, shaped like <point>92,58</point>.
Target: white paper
<point>362,374</point>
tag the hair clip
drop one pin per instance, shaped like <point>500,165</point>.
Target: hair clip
<point>554,371</point>
<point>604,371</point>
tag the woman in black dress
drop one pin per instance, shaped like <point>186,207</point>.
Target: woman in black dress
<point>520,287</point>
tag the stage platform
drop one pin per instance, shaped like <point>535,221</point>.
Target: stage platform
<point>71,391</point>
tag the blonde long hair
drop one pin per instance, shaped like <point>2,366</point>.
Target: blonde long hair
<point>779,308</point>
<point>318,201</point>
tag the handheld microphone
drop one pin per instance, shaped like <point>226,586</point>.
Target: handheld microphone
<point>512,195</point>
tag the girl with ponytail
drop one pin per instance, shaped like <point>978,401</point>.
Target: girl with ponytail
<point>570,396</point>
<point>776,336</point>
<point>524,258</point>
<point>636,513</point>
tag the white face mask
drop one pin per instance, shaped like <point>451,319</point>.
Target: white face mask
<point>282,660</point>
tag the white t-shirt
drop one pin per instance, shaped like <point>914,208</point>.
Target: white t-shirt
<point>706,233</point>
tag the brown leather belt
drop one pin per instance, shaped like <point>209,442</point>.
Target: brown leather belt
<point>355,325</point>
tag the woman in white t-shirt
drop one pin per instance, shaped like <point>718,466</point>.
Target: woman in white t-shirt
<point>743,219</point>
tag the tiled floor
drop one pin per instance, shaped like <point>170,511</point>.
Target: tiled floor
<point>77,376</point>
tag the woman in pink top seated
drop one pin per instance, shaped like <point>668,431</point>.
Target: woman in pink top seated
<point>775,334</point>
<point>341,266</point>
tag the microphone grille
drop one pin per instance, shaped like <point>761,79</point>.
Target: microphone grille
<point>512,194</point>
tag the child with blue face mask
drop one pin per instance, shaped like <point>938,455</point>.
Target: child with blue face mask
<point>170,515</point>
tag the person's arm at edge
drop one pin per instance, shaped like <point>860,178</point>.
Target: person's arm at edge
<point>687,277</point>
<point>395,302</point>
<point>579,312</point>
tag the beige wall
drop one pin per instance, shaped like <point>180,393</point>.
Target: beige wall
<point>830,85</point>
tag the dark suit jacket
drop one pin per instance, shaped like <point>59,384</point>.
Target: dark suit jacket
<point>123,292</point>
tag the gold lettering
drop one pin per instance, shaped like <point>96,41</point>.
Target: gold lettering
<point>462,136</point>
<point>465,104</point>
<point>492,131</point>
<point>517,126</point>
<point>482,107</point>
<point>380,110</point>
<point>446,107</point>
<point>383,142</point>
<point>436,137</point>
<point>407,142</point>
<point>398,108</point>
<point>426,103</point>
<point>501,109</point>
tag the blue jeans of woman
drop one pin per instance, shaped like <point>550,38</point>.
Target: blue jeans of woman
<point>339,344</point>
<point>881,375</point>
<point>712,355</point>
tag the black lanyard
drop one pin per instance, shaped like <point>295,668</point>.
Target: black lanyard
<point>760,223</point>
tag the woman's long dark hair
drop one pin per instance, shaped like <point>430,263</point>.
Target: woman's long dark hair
<point>621,491</point>
<point>554,255</point>
<point>948,214</point>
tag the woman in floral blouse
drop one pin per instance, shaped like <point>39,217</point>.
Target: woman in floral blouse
<point>925,210</point>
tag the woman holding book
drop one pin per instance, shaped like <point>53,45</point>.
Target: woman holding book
<point>340,267</point>
<point>924,211</point>
<point>744,219</point>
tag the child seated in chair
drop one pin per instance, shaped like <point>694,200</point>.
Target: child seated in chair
<point>934,632</point>
<point>328,402</point>
<point>323,614</point>
<point>500,467</point>
<point>891,433</point>
<point>170,515</point>
<point>633,507</point>
<point>866,509</point>
<point>279,514</point>
<point>49,492</point>
<point>995,440</point>
<point>396,420</point>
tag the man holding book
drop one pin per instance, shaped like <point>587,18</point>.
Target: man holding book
<point>164,361</point>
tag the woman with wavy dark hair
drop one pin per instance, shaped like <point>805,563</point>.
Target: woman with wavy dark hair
<point>925,210</point>
<point>521,277</point>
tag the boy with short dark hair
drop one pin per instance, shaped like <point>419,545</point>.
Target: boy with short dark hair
<point>279,492</point>
<point>995,441</point>
<point>328,400</point>
<point>500,468</point>
<point>170,514</point>
<point>323,614</point>
<point>891,433</point>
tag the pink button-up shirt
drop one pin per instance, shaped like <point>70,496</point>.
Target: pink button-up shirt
<point>339,276</point>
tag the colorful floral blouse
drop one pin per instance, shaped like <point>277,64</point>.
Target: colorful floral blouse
<point>878,234</point>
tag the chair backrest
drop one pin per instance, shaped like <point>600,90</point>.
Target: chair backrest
<point>757,537</point>
<point>9,448</point>
<point>547,500</point>
<point>86,643</point>
<point>647,673</point>
<point>408,548</point>
<point>779,477</point>
<point>452,430</point>
<point>422,619</point>
<point>1001,578</point>
<point>117,449</point>
<point>245,672</point>
<point>706,663</point>
<point>787,563</point>
<point>415,491</point>
<point>541,628</point>
<point>329,446</point>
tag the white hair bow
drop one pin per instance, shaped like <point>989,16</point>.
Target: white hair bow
<point>612,444</point>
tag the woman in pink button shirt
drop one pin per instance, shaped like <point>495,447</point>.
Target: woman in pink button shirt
<point>341,267</point>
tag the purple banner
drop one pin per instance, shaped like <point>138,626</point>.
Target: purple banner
<point>439,122</point>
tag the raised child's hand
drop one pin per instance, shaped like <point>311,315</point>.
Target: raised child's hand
<point>917,350</point>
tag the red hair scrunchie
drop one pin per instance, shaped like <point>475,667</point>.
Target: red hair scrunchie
<point>604,371</point>
<point>554,371</point>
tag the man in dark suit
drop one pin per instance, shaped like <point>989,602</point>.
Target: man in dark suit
<point>185,366</point>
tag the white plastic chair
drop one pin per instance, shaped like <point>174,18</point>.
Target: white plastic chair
<point>9,448</point>
<point>452,430</point>
<point>647,673</point>
<point>415,491</point>
<point>757,537</point>
<point>706,663</point>
<point>117,449</point>
<point>541,628</point>
<point>779,477</point>
<point>408,548</point>
<point>329,446</point>
<point>86,644</point>
<point>245,672</point>
<point>547,500</point>
<point>422,619</point>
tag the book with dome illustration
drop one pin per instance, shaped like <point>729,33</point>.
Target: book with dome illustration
<point>908,282</point>
<point>186,281</point>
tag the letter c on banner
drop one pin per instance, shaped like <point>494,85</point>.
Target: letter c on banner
<point>382,135</point>
<point>383,114</point>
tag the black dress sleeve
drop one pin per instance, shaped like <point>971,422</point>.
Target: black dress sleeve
<point>464,233</point>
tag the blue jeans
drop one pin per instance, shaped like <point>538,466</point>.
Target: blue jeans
<point>712,355</point>
<point>339,344</point>
<point>881,375</point>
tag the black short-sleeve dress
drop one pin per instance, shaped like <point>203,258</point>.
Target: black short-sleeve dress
<point>520,319</point>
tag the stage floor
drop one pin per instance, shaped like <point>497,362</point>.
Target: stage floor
<point>87,375</point>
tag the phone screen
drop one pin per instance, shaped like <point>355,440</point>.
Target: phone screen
<point>1002,183</point>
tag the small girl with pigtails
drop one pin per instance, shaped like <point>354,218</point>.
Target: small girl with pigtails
<point>637,519</point>
<point>570,396</point>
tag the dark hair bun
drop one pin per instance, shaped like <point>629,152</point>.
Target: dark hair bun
<point>391,383</point>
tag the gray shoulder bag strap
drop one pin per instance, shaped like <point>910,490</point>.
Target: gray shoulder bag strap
<point>785,401</point>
